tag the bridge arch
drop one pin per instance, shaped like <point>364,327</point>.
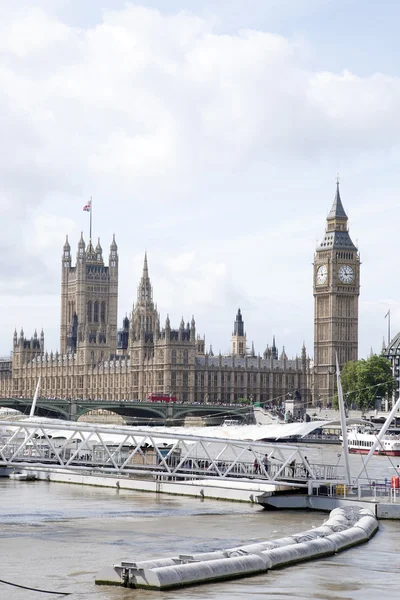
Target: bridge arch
<point>199,411</point>
<point>42,409</point>
<point>133,414</point>
<point>102,415</point>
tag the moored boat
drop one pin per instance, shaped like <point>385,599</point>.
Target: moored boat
<point>22,476</point>
<point>361,440</point>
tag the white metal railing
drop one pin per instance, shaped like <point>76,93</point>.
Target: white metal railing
<point>129,451</point>
<point>370,491</point>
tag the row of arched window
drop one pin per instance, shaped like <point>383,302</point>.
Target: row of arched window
<point>345,255</point>
<point>96,312</point>
<point>71,311</point>
<point>185,357</point>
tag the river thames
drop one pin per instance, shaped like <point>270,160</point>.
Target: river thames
<point>58,537</point>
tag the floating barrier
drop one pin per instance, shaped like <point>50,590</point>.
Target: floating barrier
<point>346,527</point>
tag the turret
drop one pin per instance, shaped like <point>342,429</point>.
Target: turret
<point>304,358</point>
<point>113,258</point>
<point>15,339</point>
<point>145,292</point>
<point>192,330</point>
<point>283,356</point>
<point>66,258</point>
<point>181,329</point>
<point>238,336</point>
<point>274,349</point>
<point>167,328</point>
<point>90,252</point>
<point>81,254</point>
<point>238,327</point>
<point>99,252</point>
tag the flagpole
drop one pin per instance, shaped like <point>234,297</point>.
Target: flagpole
<point>388,318</point>
<point>90,211</point>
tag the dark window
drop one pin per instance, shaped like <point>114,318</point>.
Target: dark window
<point>89,312</point>
<point>96,312</point>
<point>103,312</point>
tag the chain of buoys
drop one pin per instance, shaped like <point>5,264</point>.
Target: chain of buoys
<point>346,527</point>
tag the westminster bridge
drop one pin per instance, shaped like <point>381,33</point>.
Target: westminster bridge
<point>133,412</point>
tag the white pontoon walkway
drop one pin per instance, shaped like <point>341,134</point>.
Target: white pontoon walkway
<point>178,456</point>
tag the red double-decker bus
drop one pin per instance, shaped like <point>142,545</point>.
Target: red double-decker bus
<point>161,398</point>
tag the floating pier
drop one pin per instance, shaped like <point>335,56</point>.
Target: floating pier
<point>346,527</point>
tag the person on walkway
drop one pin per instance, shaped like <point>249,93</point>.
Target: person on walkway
<point>256,465</point>
<point>266,463</point>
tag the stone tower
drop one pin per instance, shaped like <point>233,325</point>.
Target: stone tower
<point>145,318</point>
<point>336,290</point>
<point>238,336</point>
<point>89,301</point>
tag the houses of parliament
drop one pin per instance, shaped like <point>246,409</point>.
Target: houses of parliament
<point>98,360</point>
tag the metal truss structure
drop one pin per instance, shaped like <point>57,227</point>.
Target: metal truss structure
<point>135,452</point>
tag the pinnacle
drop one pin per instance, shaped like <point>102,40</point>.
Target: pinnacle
<point>337,209</point>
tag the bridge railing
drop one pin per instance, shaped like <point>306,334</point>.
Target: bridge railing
<point>130,451</point>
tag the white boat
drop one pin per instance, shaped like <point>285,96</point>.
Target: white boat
<point>231,423</point>
<point>22,476</point>
<point>362,438</point>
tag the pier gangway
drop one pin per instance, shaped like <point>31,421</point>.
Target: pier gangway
<point>128,451</point>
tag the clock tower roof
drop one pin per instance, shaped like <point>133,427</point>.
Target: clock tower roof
<point>336,234</point>
<point>339,240</point>
<point>337,210</point>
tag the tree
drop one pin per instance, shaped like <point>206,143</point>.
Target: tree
<point>365,380</point>
<point>243,401</point>
<point>349,377</point>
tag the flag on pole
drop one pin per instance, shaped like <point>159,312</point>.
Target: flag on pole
<point>388,313</point>
<point>88,206</point>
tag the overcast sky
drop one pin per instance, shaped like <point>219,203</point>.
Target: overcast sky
<point>209,133</point>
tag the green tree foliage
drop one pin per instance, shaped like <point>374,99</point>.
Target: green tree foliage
<point>243,401</point>
<point>365,380</point>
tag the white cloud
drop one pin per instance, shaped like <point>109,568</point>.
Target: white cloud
<point>215,152</point>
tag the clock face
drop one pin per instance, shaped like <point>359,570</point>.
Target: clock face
<point>346,274</point>
<point>322,274</point>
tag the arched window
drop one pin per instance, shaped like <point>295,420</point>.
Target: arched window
<point>96,312</point>
<point>173,357</point>
<point>89,312</point>
<point>185,357</point>
<point>103,312</point>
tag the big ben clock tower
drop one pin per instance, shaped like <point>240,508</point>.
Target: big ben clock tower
<point>336,291</point>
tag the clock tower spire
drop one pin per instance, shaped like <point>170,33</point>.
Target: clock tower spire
<point>336,292</point>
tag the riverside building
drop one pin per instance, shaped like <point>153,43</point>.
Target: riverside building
<point>98,361</point>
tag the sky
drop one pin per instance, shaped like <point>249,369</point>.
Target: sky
<point>209,133</point>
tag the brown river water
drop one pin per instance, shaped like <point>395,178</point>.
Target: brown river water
<point>58,537</point>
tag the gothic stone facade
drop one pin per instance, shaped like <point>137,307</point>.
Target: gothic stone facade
<point>97,361</point>
<point>336,292</point>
